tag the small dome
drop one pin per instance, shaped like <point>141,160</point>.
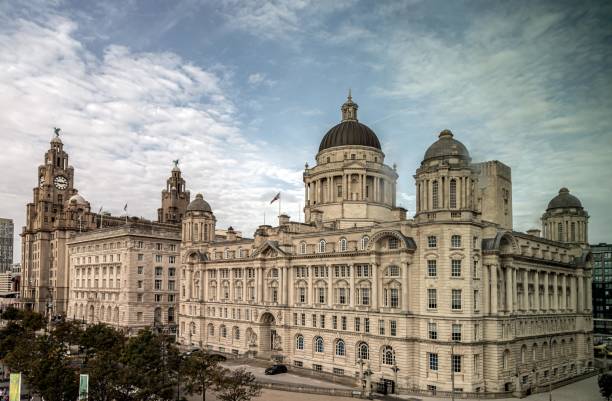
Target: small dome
<point>564,200</point>
<point>77,199</point>
<point>447,146</point>
<point>199,205</point>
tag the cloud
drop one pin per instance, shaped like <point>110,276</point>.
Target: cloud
<point>258,79</point>
<point>125,116</point>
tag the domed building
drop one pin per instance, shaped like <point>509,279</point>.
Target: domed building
<point>376,298</point>
<point>565,220</point>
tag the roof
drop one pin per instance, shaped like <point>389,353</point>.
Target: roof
<point>199,205</point>
<point>564,200</point>
<point>350,132</point>
<point>446,146</point>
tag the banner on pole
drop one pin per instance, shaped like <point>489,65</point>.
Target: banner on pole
<point>83,387</point>
<point>15,387</point>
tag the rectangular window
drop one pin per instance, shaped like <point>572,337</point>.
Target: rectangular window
<point>433,361</point>
<point>339,191</point>
<point>171,259</point>
<point>432,331</point>
<point>298,364</point>
<point>158,258</point>
<point>318,368</point>
<point>343,320</point>
<point>158,297</point>
<point>476,364</point>
<point>456,300</point>
<point>314,320</point>
<point>456,241</point>
<point>456,363</point>
<point>357,324</point>
<point>381,327</point>
<point>394,298</point>
<point>295,319</point>
<point>322,320</point>
<point>456,268</point>
<point>171,286</point>
<point>365,296</point>
<point>158,271</point>
<point>158,284</point>
<point>303,319</point>
<point>432,298</point>
<point>140,269</point>
<point>139,298</point>
<point>342,296</point>
<point>432,268</point>
<point>476,299</point>
<point>139,283</point>
<point>366,324</point>
<point>393,327</point>
<point>334,322</point>
<point>456,333</point>
<point>475,272</point>
<point>432,241</point>
<point>321,295</point>
<point>302,295</point>
<point>338,371</point>
<point>140,257</point>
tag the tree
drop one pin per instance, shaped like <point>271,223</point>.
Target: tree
<point>33,321</point>
<point>101,337</point>
<point>605,385</point>
<point>10,336</point>
<point>105,376</point>
<point>239,385</point>
<point>12,313</point>
<point>68,331</point>
<point>200,371</point>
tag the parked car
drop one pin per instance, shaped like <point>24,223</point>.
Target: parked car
<point>276,369</point>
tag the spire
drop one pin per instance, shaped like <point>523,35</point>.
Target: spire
<point>349,109</point>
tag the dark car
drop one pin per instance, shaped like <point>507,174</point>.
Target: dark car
<point>276,369</point>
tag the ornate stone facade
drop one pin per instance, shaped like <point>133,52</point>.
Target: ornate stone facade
<point>359,287</point>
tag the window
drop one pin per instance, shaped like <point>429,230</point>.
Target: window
<point>321,295</point>
<point>456,332</point>
<point>453,194</point>
<point>381,327</point>
<point>393,271</point>
<point>342,296</point>
<point>456,268</point>
<point>432,241</point>
<point>299,342</point>
<point>357,324</point>
<point>433,361</point>
<point>456,363</point>
<point>139,283</point>
<point>393,327</point>
<point>158,297</point>
<point>334,322</point>
<point>318,342</point>
<point>158,258</point>
<point>432,299</point>
<point>432,331</point>
<point>322,321</point>
<point>322,246</point>
<point>140,269</point>
<point>139,298</point>
<point>158,271</point>
<point>223,331</point>
<point>302,294</point>
<point>343,245</point>
<point>432,268</point>
<point>303,319</point>
<point>302,248</point>
<point>343,321</point>
<point>364,242</point>
<point>140,256</point>
<point>560,232</point>
<point>364,296</point>
<point>388,356</point>
<point>158,284</point>
<point>338,371</point>
<point>394,298</point>
<point>171,286</point>
<point>339,191</point>
<point>314,320</point>
<point>171,272</point>
<point>456,241</point>
<point>363,351</point>
<point>317,367</point>
<point>393,243</point>
<point>366,324</point>
<point>456,299</point>
<point>340,348</point>
<point>476,300</point>
<point>434,193</point>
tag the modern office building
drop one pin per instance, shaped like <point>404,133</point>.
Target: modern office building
<point>602,288</point>
<point>6,244</point>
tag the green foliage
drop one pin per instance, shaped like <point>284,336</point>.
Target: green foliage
<point>237,385</point>
<point>68,331</point>
<point>9,336</point>
<point>33,321</point>
<point>12,313</point>
<point>200,371</point>
<point>605,385</point>
<point>100,337</point>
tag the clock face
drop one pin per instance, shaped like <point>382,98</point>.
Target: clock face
<point>60,182</point>
<point>41,181</point>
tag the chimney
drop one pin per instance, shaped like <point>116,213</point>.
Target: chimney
<point>534,231</point>
<point>317,217</point>
<point>283,219</point>
<point>231,234</point>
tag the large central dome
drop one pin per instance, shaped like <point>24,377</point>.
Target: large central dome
<point>349,132</point>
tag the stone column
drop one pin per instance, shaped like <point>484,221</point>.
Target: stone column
<point>573,293</point>
<point>514,290</point>
<point>218,275</point>
<point>374,286</point>
<point>405,293</point>
<point>580,307</point>
<point>555,304</point>
<point>330,287</point>
<point>546,297</point>
<point>526,290</point>
<point>232,296</point>
<point>260,290</point>
<point>487,289</point>
<point>536,290</point>
<point>285,289</point>
<point>508,289</point>
<point>310,295</point>
<point>564,292</point>
<point>494,290</point>
<point>352,286</point>
<point>291,286</point>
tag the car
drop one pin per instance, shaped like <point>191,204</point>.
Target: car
<point>276,369</point>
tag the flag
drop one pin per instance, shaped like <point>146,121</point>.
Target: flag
<point>100,210</point>
<point>83,387</point>
<point>125,208</point>
<point>276,197</point>
<point>15,387</point>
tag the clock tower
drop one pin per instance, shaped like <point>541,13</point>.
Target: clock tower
<point>55,212</point>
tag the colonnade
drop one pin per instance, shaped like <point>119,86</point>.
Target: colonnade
<point>287,285</point>
<point>198,231</point>
<point>552,232</point>
<point>540,290</point>
<point>426,189</point>
<point>324,188</point>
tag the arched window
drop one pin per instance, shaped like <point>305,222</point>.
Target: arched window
<point>363,351</point>
<point>523,354</point>
<point>318,343</point>
<point>223,331</point>
<point>322,246</point>
<point>192,328</point>
<point>343,245</point>
<point>299,342</point>
<point>211,329</point>
<point>236,333</point>
<point>453,194</point>
<point>388,356</point>
<point>506,360</point>
<point>302,248</point>
<point>544,348</point>
<point>226,254</point>
<point>239,252</point>
<point>534,352</point>
<point>434,194</point>
<point>364,242</point>
<point>340,348</point>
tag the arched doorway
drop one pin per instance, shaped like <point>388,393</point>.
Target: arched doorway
<point>267,335</point>
<point>90,319</point>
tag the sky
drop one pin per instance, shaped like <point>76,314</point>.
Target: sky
<point>242,92</point>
